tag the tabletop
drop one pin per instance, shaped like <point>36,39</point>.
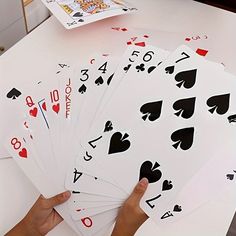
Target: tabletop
<point>51,40</point>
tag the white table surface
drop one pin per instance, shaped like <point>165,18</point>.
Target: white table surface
<point>51,40</point>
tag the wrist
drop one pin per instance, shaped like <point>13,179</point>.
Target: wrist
<point>20,229</point>
<point>29,228</point>
<point>121,229</point>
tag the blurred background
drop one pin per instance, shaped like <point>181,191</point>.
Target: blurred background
<point>19,17</point>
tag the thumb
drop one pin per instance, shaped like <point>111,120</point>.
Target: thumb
<point>138,191</point>
<point>56,200</point>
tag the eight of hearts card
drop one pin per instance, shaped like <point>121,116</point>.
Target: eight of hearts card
<point>166,116</point>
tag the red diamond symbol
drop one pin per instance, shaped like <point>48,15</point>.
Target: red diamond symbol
<point>187,39</point>
<point>201,52</point>
<point>145,36</point>
<point>129,43</point>
<point>141,44</point>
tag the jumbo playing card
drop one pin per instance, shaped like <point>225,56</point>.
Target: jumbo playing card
<point>120,140</point>
<point>73,14</point>
<point>98,125</point>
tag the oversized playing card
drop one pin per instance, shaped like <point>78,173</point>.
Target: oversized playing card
<point>73,14</point>
<point>130,110</point>
<point>154,121</point>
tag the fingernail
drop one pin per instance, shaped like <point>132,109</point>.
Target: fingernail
<point>66,194</point>
<point>143,182</point>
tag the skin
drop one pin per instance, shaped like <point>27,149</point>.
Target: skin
<point>131,216</point>
<point>42,217</point>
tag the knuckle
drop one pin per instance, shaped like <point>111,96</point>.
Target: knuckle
<point>44,203</point>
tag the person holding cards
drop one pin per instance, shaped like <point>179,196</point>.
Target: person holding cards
<point>42,217</point>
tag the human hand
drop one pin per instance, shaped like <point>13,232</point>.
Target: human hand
<point>41,218</point>
<point>131,216</point>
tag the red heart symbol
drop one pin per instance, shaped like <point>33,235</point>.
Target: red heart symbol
<point>23,153</point>
<point>56,108</point>
<point>44,106</point>
<point>33,112</point>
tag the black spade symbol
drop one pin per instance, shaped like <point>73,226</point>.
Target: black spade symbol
<point>230,176</point>
<point>126,68</point>
<point>151,110</point>
<point>186,78</point>
<point>232,118</point>
<point>167,185</point>
<point>219,103</point>
<point>169,69</point>
<point>99,81</point>
<point>150,171</point>
<point>140,67</point>
<point>124,9</point>
<point>81,20</point>
<point>177,208</point>
<point>151,69</point>
<point>185,107</point>
<point>13,94</point>
<point>110,79</point>
<point>78,14</point>
<point>108,126</point>
<point>119,143</point>
<point>183,138</point>
<point>82,89</point>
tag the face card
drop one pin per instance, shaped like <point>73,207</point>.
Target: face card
<point>73,14</point>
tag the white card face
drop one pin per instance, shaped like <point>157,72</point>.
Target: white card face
<point>92,225</point>
<point>130,56</point>
<point>16,144</point>
<point>73,14</point>
<point>101,76</point>
<point>205,44</point>
<point>77,181</point>
<point>165,128</point>
<point>79,210</point>
<point>85,197</point>
<point>210,181</point>
<point>39,120</point>
<point>13,92</point>
<point>10,100</point>
<point>150,57</point>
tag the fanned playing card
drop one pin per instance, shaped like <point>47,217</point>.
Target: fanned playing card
<point>98,125</point>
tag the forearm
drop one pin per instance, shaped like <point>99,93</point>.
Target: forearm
<point>22,229</point>
<point>18,230</point>
<point>122,228</point>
